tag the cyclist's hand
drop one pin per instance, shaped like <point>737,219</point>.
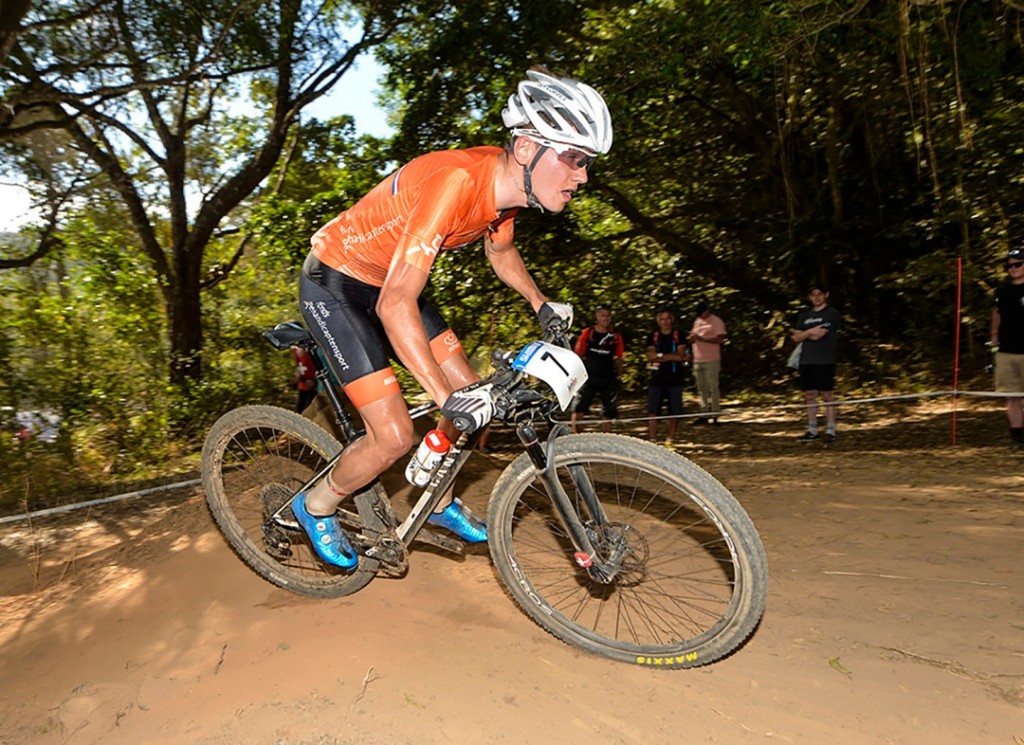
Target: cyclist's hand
<point>551,313</point>
<point>469,409</point>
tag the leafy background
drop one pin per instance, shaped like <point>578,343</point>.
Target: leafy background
<point>758,147</point>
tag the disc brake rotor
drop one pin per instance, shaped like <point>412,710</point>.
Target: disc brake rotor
<point>623,541</point>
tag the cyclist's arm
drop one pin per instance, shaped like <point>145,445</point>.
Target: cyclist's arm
<point>428,220</point>
<point>398,309</point>
<point>509,266</point>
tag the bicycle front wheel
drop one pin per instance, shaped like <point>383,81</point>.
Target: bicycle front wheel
<point>255,458</point>
<point>692,575</point>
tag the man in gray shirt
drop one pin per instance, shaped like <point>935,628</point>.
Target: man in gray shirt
<point>816,330</point>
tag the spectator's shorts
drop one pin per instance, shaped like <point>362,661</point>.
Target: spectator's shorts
<point>607,388</point>
<point>1010,372</point>
<point>658,393</point>
<point>817,377</point>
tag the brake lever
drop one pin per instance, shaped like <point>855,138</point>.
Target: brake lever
<point>557,334</point>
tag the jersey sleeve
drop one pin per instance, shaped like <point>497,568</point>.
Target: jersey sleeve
<point>503,229</point>
<point>581,343</point>
<point>620,345</point>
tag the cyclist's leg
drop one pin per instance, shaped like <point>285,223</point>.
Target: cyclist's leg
<point>339,314</point>
<point>447,349</point>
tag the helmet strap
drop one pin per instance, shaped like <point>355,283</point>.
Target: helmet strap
<point>531,201</point>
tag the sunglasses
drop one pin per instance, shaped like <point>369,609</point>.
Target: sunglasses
<point>1015,264</point>
<point>567,154</point>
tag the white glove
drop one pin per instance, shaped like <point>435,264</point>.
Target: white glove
<point>469,409</point>
<point>550,313</point>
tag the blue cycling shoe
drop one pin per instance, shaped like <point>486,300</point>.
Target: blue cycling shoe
<point>329,540</point>
<point>457,518</point>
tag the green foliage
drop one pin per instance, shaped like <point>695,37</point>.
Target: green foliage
<point>758,147</point>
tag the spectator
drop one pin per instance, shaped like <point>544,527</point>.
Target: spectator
<point>305,378</point>
<point>706,338</point>
<point>42,425</point>
<point>667,357</point>
<point>817,329</point>
<point>602,349</point>
<point>1008,334</point>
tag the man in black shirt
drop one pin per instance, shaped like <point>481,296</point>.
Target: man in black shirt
<point>1008,334</point>
<point>601,347</point>
<point>816,329</point>
<point>667,357</point>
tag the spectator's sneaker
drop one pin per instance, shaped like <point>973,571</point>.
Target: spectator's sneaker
<point>808,437</point>
<point>457,518</point>
<point>830,437</point>
<point>329,540</point>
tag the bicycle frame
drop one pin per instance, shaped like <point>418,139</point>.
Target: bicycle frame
<point>582,535</point>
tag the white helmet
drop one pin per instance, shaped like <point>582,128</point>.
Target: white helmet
<point>559,109</point>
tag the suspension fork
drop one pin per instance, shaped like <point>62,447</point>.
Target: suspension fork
<point>544,462</point>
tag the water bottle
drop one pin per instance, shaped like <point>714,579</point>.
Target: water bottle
<point>427,458</point>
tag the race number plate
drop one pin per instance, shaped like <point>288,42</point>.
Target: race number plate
<point>560,368</point>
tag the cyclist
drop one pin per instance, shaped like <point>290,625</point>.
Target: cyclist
<point>361,283</point>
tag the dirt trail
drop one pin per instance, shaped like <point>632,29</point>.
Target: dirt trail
<point>896,615</point>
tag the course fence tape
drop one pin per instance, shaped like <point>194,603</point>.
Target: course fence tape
<point>845,402</point>
<point>706,414</point>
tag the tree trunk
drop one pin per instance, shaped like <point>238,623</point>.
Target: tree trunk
<point>186,337</point>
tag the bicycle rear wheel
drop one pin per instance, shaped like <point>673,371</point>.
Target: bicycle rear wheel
<point>692,583</point>
<point>255,458</point>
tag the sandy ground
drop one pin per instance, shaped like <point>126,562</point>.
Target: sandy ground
<point>895,615</point>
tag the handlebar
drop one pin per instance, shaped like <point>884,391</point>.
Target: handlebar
<point>503,384</point>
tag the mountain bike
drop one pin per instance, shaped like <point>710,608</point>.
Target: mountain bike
<point>614,545</point>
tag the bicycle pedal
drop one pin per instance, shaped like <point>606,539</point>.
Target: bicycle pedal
<point>453,545</point>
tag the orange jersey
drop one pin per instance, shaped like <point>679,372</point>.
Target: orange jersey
<point>439,201</point>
